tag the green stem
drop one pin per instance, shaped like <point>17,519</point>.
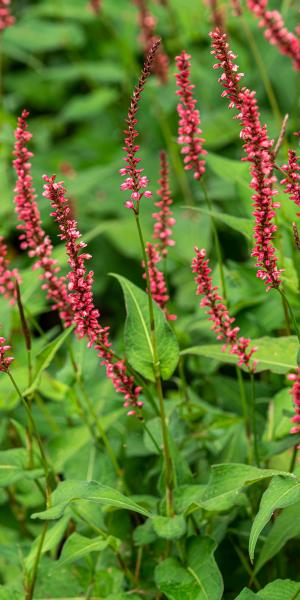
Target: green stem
<point>253,420</point>
<point>243,397</point>
<point>30,591</point>
<point>287,304</point>
<point>293,460</point>
<point>216,239</point>
<point>156,370</point>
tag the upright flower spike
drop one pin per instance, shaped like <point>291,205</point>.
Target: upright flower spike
<point>80,296</point>
<point>164,217</point>
<point>34,239</point>
<point>258,149</point>
<point>158,285</point>
<point>295,393</point>
<point>135,182</point>
<point>147,24</point>
<point>189,132</point>
<point>5,361</point>
<point>275,31</point>
<point>6,19</point>
<point>8,277</point>
<point>292,179</point>
<point>218,313</point>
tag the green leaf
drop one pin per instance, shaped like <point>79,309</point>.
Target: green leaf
<point>43,36</point>
<point>71,491</point>
<point>240,224</point>
<point>85,107</point>
<point>282,492</point>
<point>285,528</point>
<point>280,589</point>
<point>169,528</point>
<point>14,466</point>
<point>45,357</point>
<point>51,540</point>
<point>229,169</point>
<point>77,546</point>
<point>277,355</point>
<point>227,480</point>
<point>139,347</point>
<point>199,580</point>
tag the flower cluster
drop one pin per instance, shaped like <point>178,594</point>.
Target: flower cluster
<point>95,6</point>
<point>6,19</point>
<point>158,287</point>
<point>217,13</point>
<point>80,296</point>
<point>258,149</point>
<point>292,179</point>
<point>8,277</point>
<point>295,392</point>
<point>34,239</point>
<point>147,24</point>
<point>189,132</point>
<point>218,313</point>
<point>5,361</point>
<point>164,218</point>
<point>276,32</point>
<point>135,182</point>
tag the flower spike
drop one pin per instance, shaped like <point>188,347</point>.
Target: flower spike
<point>164,218</point>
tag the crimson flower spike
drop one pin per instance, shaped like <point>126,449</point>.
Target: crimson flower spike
<point>218,313</point>
<point>34,239</point>
<point>189,132</point>
<point>164,217</point>
<point>159,291</point>
<point>8,277</point>
<point>6,19</point>
<point>292,179</point>
<point>295,393</point>
<point>258,149</point>
<point>276,32</point>
<point>135,182</point>
<point>5,361</point>
<point>80,296</point>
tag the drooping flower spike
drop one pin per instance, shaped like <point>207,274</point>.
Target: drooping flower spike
<point>258,149</point>
<point>164,217</point>
<point>5,361</point>
<point>80,296</point>
<point>34,239</point>
<point>275,31</point>
<point>189,132</point>
<point>292,179</point>
<point>147,24</point>
<point>8,277</point>
<point>135,182</point>
<point>218,313</point>
<point>158,286</point>
<point>295,393</point>
<point>6,19</point>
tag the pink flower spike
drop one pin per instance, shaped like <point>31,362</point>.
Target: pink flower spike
<point>158,285</point>
<point>5,361</point>
<point>275,31</point>
<point>218,313</point>
<point>6,19</point>
<point>258,149</point>
<point>295,393</point>
<point>8,277</point>
<point>147,24</point>
<point>134,180</point>
<point>292,179</point>
<point>189,132</point>
<point>164,217</point>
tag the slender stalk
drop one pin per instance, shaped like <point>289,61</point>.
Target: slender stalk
<point>289,308</point>
<point>30,590</point>
<point>156,370</point>
<point>253,420</point>
<point>243,397</point>
<point>293,459</point>
<point>216,239</point>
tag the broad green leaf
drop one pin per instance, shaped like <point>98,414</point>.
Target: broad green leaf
<point>280,589</point>
<point>169,528</point>
<point>77,546</point>
<point>229,169</point>
<point>200,579</point>
<point>43,36</point>
<point>227,480</point>
<point>72,491</point>
<point>138,342</point>
<point>144,534</point>
<point>282,492</point>
<point>278,355</point>
<point>285,527</point>
<point>45,358</point>
<point>14,466</point>
<point>52,539</point>
<point>240,224</point>
<point>87,106</point>
<point>246,595</point>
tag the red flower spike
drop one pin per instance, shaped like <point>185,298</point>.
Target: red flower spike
<point>8,277</point>
<point>292,179</point>
<point>158,285</point>
<point>5,361</point>
<point>295,393</point>
<point>164,218</point>
<point>6,19</point>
